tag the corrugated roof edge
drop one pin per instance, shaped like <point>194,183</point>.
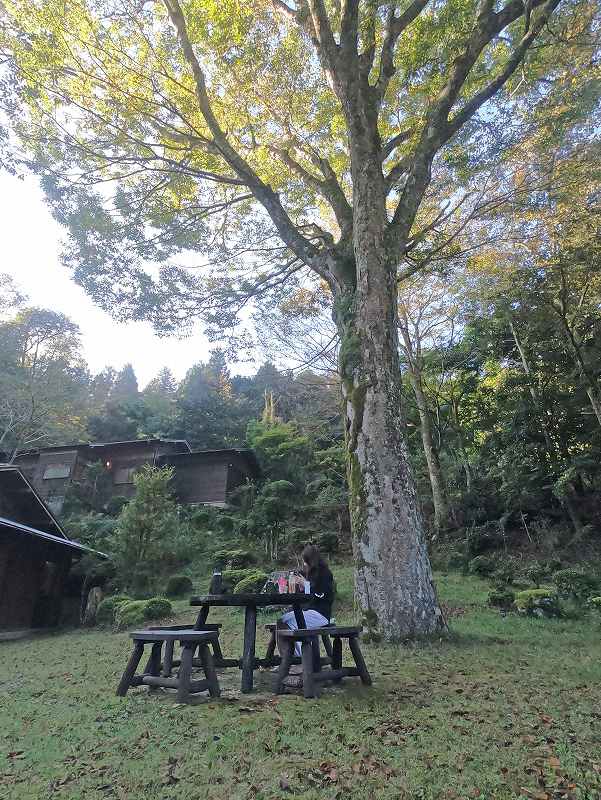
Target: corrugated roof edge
<point>74,446</point>
<point>13,468</point>
<point>246,452</point>
<point>10,523</point>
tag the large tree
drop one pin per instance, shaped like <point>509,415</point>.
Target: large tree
<point>283,140</point>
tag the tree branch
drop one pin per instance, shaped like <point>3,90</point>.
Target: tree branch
<point>329,188</point>
<point>437,129</point>
<point>470,108</point>
<point>300,246</point>
<point>394,27</point>
<point>393,143</point>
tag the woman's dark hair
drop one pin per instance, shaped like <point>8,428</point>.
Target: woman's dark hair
<point>314,559</point>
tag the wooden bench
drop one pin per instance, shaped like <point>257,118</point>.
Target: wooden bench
<point>312,678</point>
<point>151,677</point>
<point>169,661</point>
<point>272,627</point>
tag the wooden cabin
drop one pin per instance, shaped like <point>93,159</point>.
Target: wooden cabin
<point>210,477</point>
<point>203,476</point>
<point>35,557</point>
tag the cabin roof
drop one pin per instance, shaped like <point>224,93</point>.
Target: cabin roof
<point>48,537</point>
<point>202,455</point>
<point>140,441</point>
<point>25,506</point>
<point>28,512</point>
<point>57,448</point>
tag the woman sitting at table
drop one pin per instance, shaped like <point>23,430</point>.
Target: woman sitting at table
<point>319,610</point>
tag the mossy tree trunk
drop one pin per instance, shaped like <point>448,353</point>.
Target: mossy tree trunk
<point>394,586</point>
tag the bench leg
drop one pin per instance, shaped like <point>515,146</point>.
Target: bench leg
<point>168,660</point>
<point>353,643</point>
<point>284,668</point>
<point>185,673</point>
<point>327,645</point>
<point>209,669</point>
<point>271,647</point>
<point>130,669</point>
<point>154,663</point>
<point>217,653</point>
<point>308,656</point>
<point>337,656</point>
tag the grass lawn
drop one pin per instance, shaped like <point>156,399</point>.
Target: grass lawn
<point>503,708</point>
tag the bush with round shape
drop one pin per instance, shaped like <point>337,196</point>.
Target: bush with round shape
<point>536,573</point>
<point>482,565</point>
<point>501,598</point>
<point>157,608</point>
<point>230,577</point>
<point>541,602</point>
<point>107,608</point>
<point>575,583</point>
<point>178,585</point>
<point>595,604</point>
<point>132,614</point>
<point>504,574</point>
<point>253,582</point>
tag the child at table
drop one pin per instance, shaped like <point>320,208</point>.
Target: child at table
<point>319,611</point>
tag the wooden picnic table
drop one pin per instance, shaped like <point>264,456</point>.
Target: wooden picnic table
<point>250,603</point>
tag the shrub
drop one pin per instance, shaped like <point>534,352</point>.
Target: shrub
<point>595,604</point>
<point>253,582</point>
<point>235,559</point>
<point>485,537</point>
<point>504,575</point>
<point>482,565</point>
<point>501,598</point>
<point>157,607</point>
<point>538,602</point>
<point>178,585</point>
<point>230,577</point>
<point>536,573</point>
<point>576,584</point>
<point>107,608</point>
<point>130,614</point>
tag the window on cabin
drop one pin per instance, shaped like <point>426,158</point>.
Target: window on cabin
<point>124,475</point>
<point>56,471</point>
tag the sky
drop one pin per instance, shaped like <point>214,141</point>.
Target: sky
<point>30,252</point>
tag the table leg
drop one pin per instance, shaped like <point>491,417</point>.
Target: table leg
<point>202,617</point>
<point>299,617</point>
<point>248,654</point>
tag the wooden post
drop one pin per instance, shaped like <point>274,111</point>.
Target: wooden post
<point>248,654</point>
<point>209,669</point>
<point>168,660</point>
<point>185,672</point>
<point>287,651</point>
<point>299,617</point>
<point>202,617</point>
<point>337,655</point>
<point>130,669</point>
<point>309,687</point>
<point>353,643</point>
<point>154,662</point>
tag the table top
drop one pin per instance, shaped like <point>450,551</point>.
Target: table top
<point>251,599</point>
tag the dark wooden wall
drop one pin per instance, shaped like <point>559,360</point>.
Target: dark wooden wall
<point>201,482</point>
<point>32,577</point>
